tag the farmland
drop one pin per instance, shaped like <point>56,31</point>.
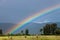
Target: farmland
<point>30,38</point>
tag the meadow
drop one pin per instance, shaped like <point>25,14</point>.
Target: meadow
<point>30,38</point>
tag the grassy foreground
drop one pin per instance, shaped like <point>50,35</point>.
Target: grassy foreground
<point>30,38</point>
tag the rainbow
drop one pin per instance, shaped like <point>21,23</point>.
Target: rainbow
<point>31,18</point>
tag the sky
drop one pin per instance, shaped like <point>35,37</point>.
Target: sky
<point>14,11</point>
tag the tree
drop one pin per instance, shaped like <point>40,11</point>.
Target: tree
<point>22,32</point>
<point>46,29</point>
<point>53,28</point>
<point>57,32</point>
<point>1,32</point>
<point>41,30</point>
<point>49,28</point>
<point>27,32</point>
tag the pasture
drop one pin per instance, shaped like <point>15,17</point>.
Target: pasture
<point>30,38</point>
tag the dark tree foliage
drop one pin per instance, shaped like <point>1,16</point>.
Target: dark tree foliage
<point>1,32</point>
<point>53,28</point>
<point>22,31</point>
<point>57,31</point>
<point>46,29</point>
<point>41,30</point>
<point>49,29</point>
<point>27,32</point>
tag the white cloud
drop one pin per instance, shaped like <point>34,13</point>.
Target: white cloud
<point>42,21</point>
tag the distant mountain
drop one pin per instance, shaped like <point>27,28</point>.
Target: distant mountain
<point>6,26</point>
<point>34,28</point>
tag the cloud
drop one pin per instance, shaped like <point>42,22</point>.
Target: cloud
<point>42,21</point>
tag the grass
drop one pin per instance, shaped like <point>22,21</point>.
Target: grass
<point>30,38</point>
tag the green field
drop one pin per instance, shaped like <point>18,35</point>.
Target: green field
<point>30,38</point>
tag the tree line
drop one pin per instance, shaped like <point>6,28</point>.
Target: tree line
<point>48,29</point>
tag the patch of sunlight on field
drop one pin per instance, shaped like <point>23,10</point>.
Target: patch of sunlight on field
<point>30,38</point>
<point>3,38</point>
